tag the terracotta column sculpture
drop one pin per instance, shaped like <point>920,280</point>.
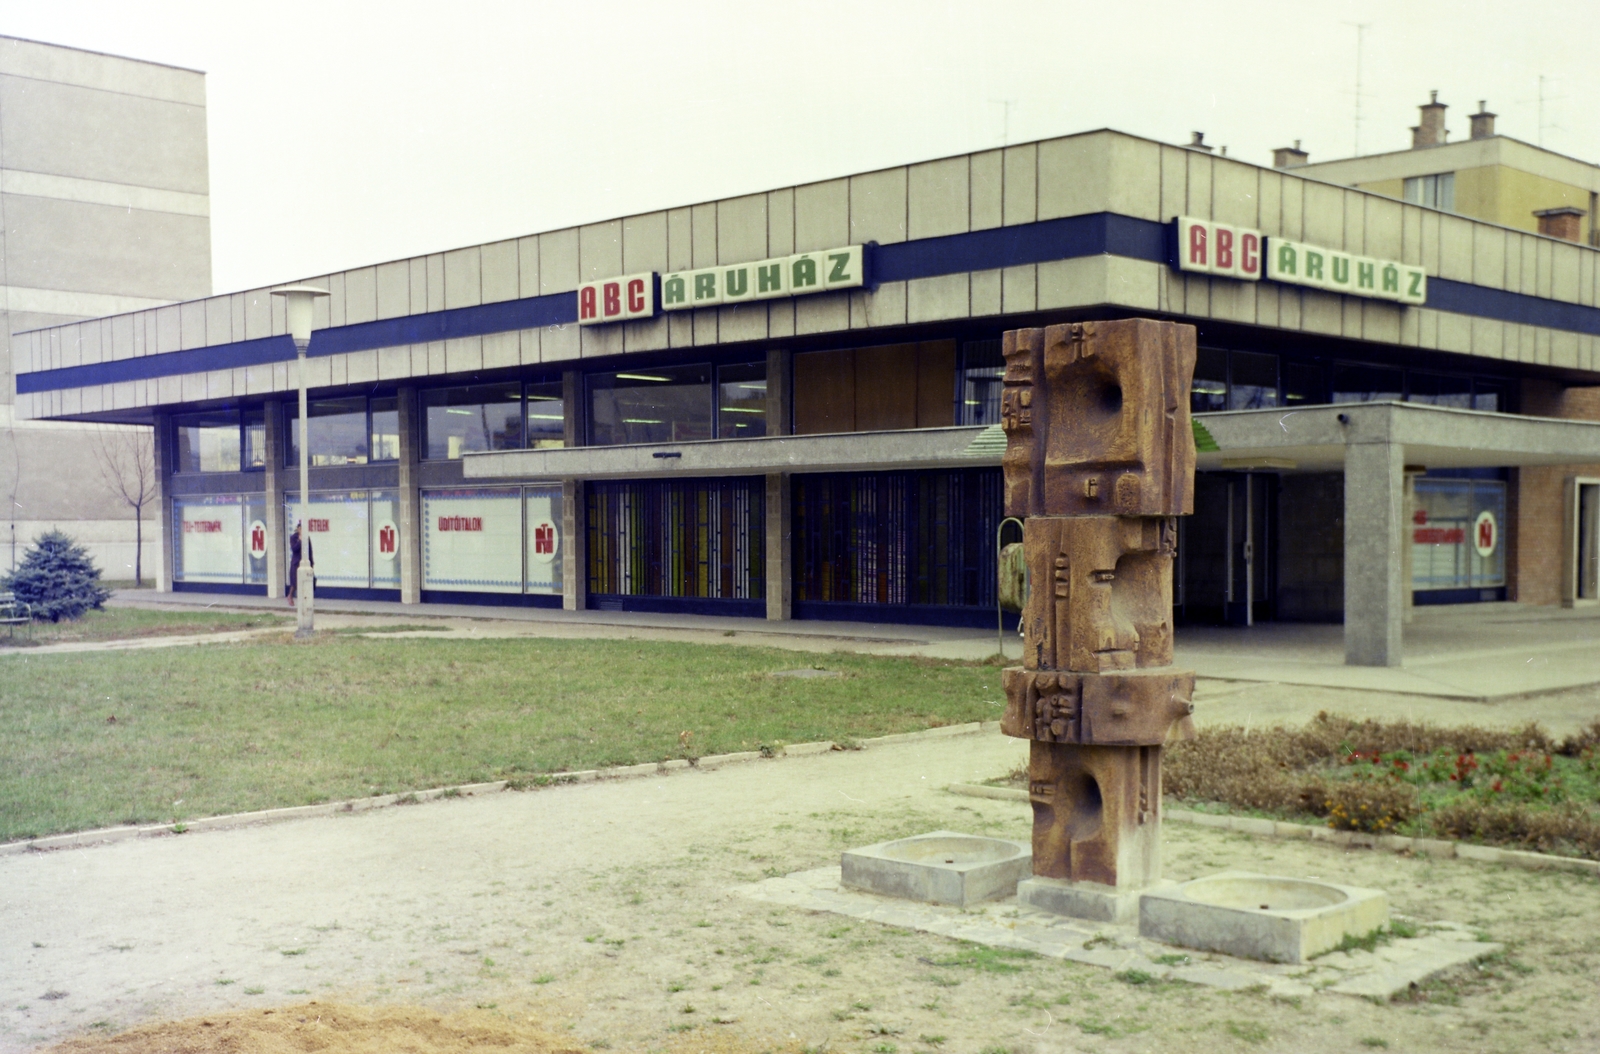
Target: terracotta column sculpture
<point>1099,461</point>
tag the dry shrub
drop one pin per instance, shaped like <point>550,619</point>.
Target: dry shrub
<point>1566,827</point>
<point>1378,806</point>
<point>1585,739</point>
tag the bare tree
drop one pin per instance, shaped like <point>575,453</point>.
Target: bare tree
<point>126,458</point>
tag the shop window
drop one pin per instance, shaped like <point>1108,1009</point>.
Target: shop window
<point>701,539</point>
<point>1582,580</point>
<point>1437,192</point>
<point>1209,392</point>
<point>547,419</point>
<point>1366,384</point>
<point>1457,534</point>
<point>900,538</point>
<point>207,442</point>
<point>979,382</point>
<point>1252,380</point>
<point>385,428</point>
<point>472,540</point>
<point>1440,389</point>
<point>542,533</point>
<point>742,401</point>
<point>255,438</point>
<point>1303,384</point>
<point>889,386</point>
<point>1490,396</point>
<point>470,419</point>
<point>668,404</point>
<point>336,431</point>
<point>219,538</point>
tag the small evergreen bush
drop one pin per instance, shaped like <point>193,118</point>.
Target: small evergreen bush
<point>57,578</point>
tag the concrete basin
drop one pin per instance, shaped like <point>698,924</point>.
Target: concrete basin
<point>942,867</point>
<point>1287,920</point>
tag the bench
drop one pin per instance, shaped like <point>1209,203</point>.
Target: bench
<point>14,613</point>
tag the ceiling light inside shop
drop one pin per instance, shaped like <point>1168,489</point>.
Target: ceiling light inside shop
<point>640,377</point>
<point>641,421</point>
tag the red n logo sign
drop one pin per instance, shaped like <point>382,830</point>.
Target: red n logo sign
<point>258,540</point>
<point>1485,534</point>
<point>544,539</point>
<point>386,539</point>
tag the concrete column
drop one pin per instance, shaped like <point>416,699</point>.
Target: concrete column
<point>277,544</point>
<point>1374,515</point>
<point>161,444</point>
<point>780,395</point>
<point>575,408</point>
<point>410,524</point>
<point>575,538</point>
<point>780,547</point>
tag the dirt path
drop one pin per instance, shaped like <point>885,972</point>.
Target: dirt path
<point>604,911</point>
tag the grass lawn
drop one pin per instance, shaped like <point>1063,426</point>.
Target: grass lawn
<point>232,727</point>
<point>123,623</point>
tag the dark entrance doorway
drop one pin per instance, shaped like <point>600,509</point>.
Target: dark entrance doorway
<point>1227,564</point>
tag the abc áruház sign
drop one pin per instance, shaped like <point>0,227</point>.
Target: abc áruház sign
<point>1241,252</point>
<point>634,296</point>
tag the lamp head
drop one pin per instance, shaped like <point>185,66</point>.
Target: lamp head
<point>297,301</point>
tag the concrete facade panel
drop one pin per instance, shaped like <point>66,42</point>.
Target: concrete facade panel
<point>1135,188</point>
<point>1586,279</point>
<point>1429,243</point>
<point>1456,248</point>
<point>499,277</point>
<point>936,299</point>
<point>649,335</point>
<point>821,217</point>
<point>1564,350</point>
<point>1137,284</point>
<point>986,190</point>
<point>84,247</point>
<point>644,243</point>
<point>218,328</point>
<point>780,222</point>
<point>703,235</point>
<point>742,322</point>
<point>528,266</point>
<point>680,239</point>
<point>1384,223</point>
<point>1021,201</point>
<point>1355,222</point>
<point>742,230</point>
<point>1175,182</point>
<point>1380,321</point>
<point>1321,312</point>
<point>463,278</point>
<point>1074,177</point>
<point>1565,271</point>
<point>1488,256</point>
<point>1235,193</point>
<point>529,351</point>
<point>780,318</point>
<point>595,341</point>
<point>985,295</point>
<point>878,207</point>
<point>599,250</point>
<point>1197,168</point>
<point>558,261</point>
<point>394,363</point>
<point>433,267</point>
<point>1530,264</point>
<point>1513,252</point>
<point>1324,215</point>
<point>1455,332</point>
<point>1271,190</point>
<point>392,289</point>
<point>939,198</point>
<point>500,351</point>
<point>1292,208</point>
<point>169,330</point>
<point>1019,288</point>
<point>559,344</point>
<point>463,354</point>
<point>1073,283</point>
<point>121,337</point>
<point>826,313</point>
<point>705,327</point>
<point>68,130</point>
<point>1544,253</point>
<point>333,305</point>
<point>1488,338</point>
<point>884,306</point>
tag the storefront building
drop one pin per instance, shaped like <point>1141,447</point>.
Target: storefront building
<point>785,404</point>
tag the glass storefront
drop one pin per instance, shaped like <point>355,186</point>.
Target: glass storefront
<point>493,539</point>
<point>219,538</point>
<point>700,539</point>
<point>1457,534</point>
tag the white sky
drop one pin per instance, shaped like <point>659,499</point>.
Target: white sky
<point>347,132</point>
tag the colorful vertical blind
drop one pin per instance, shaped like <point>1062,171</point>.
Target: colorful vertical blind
<point>696,538</point>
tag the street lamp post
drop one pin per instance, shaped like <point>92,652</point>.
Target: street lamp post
<point>297,300</point>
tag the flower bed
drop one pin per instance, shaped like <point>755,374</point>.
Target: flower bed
<point>1520,788</point>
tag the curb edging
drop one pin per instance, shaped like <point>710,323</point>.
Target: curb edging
<point>1264,828</point>
<point>108,835</point>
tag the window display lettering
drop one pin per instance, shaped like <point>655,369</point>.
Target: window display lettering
<point>337,527</point>
<point>544,564</point>
<point>472,540</point>
<point>210,540</point>
<point>1455,534</point>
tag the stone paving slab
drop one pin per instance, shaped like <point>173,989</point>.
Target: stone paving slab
<point>1391,968</point>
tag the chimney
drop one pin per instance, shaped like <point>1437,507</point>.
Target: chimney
<point>1431,131</point>
<point>1199,142</point>
<point>1564,222</point>
<point>1482,122</point>
<point>1288,156</point>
